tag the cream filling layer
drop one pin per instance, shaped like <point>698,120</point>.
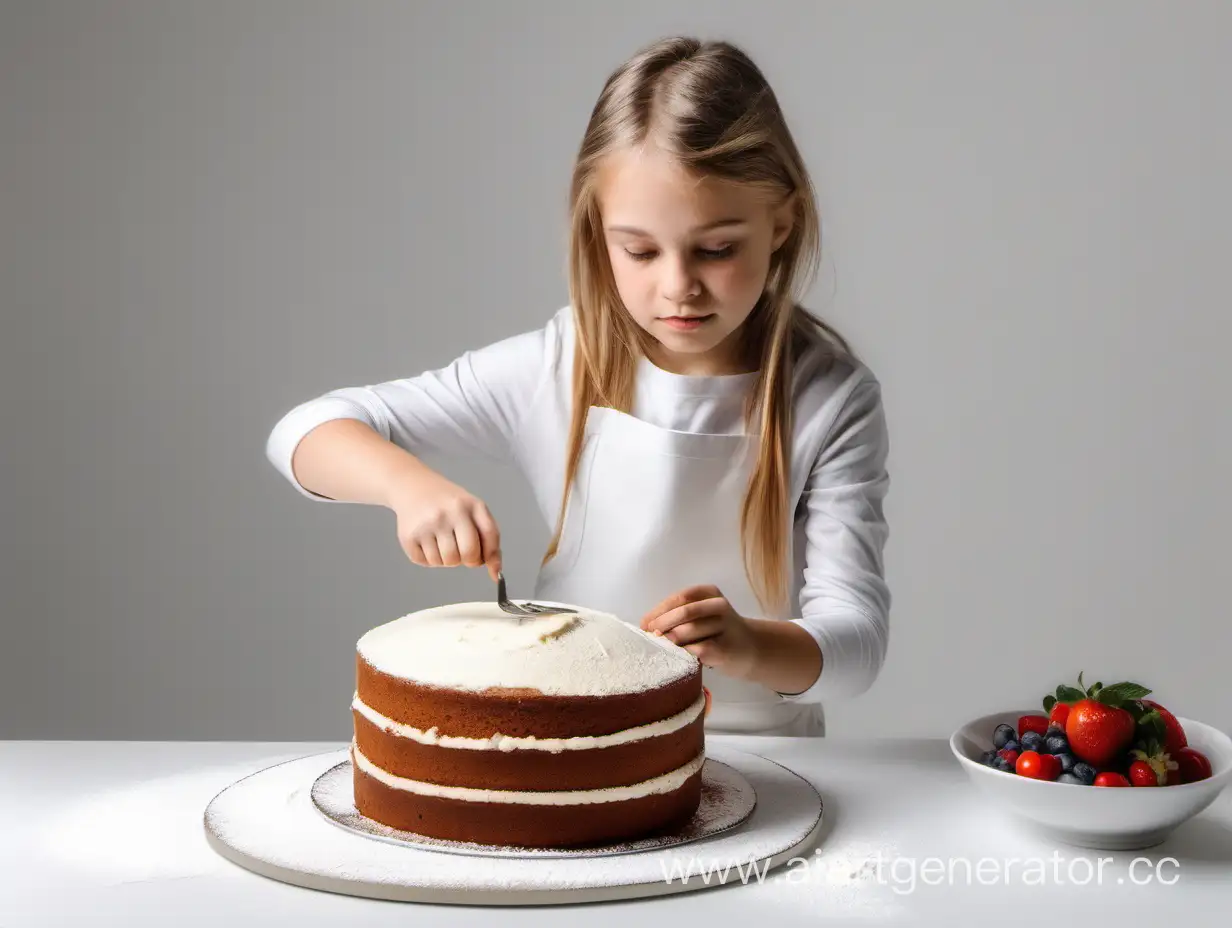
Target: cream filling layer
<point>664,783</point>
<point>499,742</point>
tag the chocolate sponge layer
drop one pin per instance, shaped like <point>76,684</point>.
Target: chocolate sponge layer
<point>525,825</point>
<point>519,712</point>
<point>527,768</point>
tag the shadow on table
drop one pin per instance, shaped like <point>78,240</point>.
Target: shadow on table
<point>1201,840</point>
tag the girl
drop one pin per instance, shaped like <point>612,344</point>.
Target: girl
<point>713,457</point>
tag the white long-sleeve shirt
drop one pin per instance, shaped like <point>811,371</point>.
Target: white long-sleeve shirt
<point>510,401</point>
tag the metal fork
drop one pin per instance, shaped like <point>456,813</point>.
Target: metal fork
<point>525,609</point>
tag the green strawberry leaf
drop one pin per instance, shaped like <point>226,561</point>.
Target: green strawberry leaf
<point>1081,685</point>
<point>1146,748</point>
<point>1150,728</point>
<point>1049,702</point>
<point>1159,731</point>
<point>1122,693</point>
<point>1068,694</point>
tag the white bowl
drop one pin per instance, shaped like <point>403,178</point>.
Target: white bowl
<point>1087,816</point>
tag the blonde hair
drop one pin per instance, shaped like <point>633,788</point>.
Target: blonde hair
<point>710,107</point>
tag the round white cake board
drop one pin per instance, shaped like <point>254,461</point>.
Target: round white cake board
<point>267,823</point>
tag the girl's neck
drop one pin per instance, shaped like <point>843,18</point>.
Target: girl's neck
<point>722,360</point>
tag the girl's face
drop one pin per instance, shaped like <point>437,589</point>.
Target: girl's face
<point>689,256</point>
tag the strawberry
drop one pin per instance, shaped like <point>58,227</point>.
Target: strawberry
<point>1037,723</point>
<point>1151,756</point>
<point>706,710</point>
<point>1149,751</point>
<point>1143,774</point>
<point>1098,732</point>
<point>1059,715</point>
<point>1010,755</point>
<point>1193,764</point>
<point>1175,739</point>
<point>1109,778</point>
<point>1101,721</point>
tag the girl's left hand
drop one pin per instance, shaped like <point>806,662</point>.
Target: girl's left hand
<point>703,622</point>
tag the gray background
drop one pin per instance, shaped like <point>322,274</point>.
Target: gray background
<point>212,211</point>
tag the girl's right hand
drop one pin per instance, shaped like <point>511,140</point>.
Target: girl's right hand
<point>442,525</point>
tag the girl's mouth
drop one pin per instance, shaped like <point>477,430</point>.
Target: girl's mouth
<point>687,323</point>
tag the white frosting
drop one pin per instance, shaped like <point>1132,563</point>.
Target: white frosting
<point>664,783</point>
<point>499,742</point>
<point>474,646</point>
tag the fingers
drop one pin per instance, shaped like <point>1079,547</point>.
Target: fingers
<point>689,612</point>
<point>466,536</point>
<point>489,538</point>
<point>452,534</point>
<point>681,598</point>
<point>696,630</point>
<point>447,544</point>
<point>429,555</point>
<point>415,552</point>
<point>708,654</point>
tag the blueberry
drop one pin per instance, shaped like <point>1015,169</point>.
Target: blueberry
<point>1067,760</point>
<point>1003,765</point>
<point>1003,733</point>
<point>986,758</point>
<point>1032,741</point>
<point>1085,772</point>
<point>1056,743</point>
<point>1071,779</point>
<point>1011,745</point>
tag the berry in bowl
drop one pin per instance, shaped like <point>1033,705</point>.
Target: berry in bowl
<point>1058,771</point>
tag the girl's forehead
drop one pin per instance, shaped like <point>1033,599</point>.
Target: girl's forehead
<point>627,170</point>
<point>648,187</point>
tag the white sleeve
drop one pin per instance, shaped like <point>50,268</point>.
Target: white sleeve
<point>845,601</point>
<point>472,406</point>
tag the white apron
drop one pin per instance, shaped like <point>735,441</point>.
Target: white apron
<point>654,511</point>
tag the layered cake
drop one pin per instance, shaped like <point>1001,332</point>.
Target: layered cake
<point>554,731</point>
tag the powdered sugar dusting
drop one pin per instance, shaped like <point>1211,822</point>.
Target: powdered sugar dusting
<point>267,822</point>
<point>474,646</point>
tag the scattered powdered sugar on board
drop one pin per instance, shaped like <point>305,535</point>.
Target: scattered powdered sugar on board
<point>267,822</point>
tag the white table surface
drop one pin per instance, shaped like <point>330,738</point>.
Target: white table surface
<point>101,833</point>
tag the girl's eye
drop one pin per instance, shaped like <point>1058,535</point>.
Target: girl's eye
<point>716,254</point>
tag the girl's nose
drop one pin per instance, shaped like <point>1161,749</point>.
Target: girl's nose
<point>680,283</point>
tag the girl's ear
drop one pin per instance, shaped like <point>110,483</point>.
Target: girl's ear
<point>784,220</point>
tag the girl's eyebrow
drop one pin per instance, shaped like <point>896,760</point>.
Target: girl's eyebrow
<point>707,227</point>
